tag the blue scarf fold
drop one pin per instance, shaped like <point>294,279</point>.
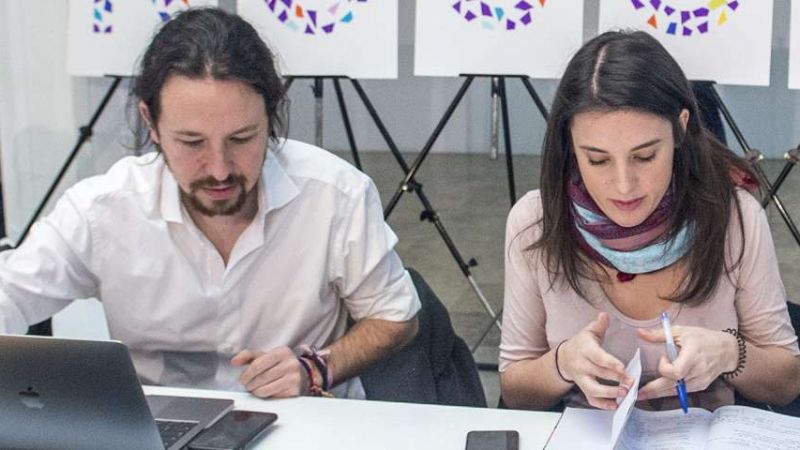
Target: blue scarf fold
<point>652,257</point>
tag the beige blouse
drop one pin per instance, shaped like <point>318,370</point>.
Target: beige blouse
<point>537,317</point>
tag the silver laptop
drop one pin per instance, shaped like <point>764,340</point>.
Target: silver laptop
<point>64,393</point>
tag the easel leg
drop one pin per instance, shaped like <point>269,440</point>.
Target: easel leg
<point>347,127</point>
<point>318,110</point>
<point>535,96</point>
<point>756,168</point>
<point>792,158</point>
<point>411,172</point>
<point>512,188</point>
<point>428,213</point>
<point>86,132</point>
<point>495,118</point>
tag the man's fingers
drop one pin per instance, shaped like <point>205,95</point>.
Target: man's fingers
<point>262,363</point>
<point>283,380</point>
<point>243,357</point>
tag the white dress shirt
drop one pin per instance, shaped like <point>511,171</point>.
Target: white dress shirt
<point>317,250</point>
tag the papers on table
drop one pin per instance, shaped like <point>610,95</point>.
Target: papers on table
<point>629,428</point>
<point>592,429</point>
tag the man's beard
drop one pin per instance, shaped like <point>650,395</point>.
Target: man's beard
<point>227,207</point>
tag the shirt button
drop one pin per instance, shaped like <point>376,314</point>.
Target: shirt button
<point>227,348</point>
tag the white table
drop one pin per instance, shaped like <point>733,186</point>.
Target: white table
<point>320,423</point>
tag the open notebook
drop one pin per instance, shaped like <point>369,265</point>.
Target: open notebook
<point>629,428</point>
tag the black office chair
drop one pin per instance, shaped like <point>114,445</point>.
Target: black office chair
<point>435,368</point>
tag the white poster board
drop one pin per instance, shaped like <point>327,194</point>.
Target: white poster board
<point>727,41</point>
<point>107,37</point>
<point>496,37</point>
<point>794,47</point>
<point>354,38</point>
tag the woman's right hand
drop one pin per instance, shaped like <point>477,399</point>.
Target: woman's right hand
<point>582,360</point>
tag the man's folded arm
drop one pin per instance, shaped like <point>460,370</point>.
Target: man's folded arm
<point>376,289</point>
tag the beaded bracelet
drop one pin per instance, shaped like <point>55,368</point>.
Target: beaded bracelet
<point>319,358</point>
<point>742,354</point>
<point>559,369</point>
<point>309,372</point>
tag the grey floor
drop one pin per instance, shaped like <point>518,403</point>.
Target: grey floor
<point>470,193</point>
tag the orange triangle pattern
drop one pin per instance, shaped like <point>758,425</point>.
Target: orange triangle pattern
<point>542,2</point>
<point>298,11</point>
<point>652,21</point>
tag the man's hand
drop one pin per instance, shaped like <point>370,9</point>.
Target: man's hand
<point>276,373</point>
<point>584,361</point>
<point>704,355</point>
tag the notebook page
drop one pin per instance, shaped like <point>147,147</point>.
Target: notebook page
<point>743,427</point>
<point>666,430</point>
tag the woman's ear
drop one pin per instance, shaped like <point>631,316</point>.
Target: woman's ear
<point>145,113</point>
<point>683,117</point>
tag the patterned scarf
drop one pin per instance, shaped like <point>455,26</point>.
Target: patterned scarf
<point>629,250</point>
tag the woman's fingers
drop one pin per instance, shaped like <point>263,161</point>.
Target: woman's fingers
<point>608,367</point>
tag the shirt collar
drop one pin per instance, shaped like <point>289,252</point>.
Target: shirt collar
<point>170,198</point>
<point>276,188</point>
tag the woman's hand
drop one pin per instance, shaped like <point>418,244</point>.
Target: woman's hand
<point>583,360</point>
<point>703,356</point>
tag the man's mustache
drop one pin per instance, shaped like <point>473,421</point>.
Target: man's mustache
<point>211,182</point>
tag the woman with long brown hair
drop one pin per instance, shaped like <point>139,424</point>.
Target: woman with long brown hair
<point>641,211</point>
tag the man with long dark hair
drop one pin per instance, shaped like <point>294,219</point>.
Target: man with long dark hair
<point>231,257</point>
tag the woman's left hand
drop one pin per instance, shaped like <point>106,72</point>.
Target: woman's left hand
<point>703,356</point>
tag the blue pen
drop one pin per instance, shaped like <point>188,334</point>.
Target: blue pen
<point>672,353</point>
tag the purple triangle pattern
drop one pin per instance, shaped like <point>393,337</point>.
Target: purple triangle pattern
<point>694,22</point>
<point>295,15</point>
<point>509,18</point>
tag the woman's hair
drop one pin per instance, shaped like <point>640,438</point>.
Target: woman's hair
<point>632,71</point>
<point>208,43</point>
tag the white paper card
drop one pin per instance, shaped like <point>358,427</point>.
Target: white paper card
<point>354,38</point>
<point>496,37</point>
<point>794,46</point>
<point>107,37</point>
<point>625,405</point>
<point>727,41</point>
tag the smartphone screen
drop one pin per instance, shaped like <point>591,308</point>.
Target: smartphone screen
<point>233,431</point>
<point>493,440</point>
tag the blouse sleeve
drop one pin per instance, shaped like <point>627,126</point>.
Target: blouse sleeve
<point>524,315</point>
<point>760,296</point>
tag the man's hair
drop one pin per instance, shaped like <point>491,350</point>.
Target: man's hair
<point>208,43</point>
<point>632,71</point>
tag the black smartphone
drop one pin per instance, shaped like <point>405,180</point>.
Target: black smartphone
<point>493,440</point>
<point>233,431</point>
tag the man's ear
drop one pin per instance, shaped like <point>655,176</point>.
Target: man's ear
<point>145,113</point>
<point>683,117</point>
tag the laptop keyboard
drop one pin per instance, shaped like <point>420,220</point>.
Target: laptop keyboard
<point>172,430</point>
